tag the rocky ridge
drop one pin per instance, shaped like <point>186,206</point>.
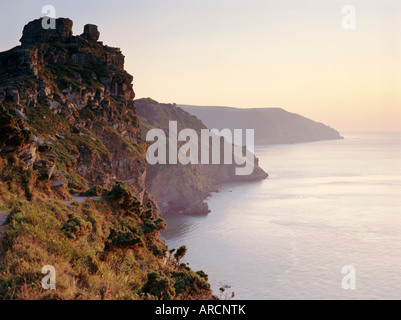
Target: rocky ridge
<point>68,124</point>
<point>73,96</point>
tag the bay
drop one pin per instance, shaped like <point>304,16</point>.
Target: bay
<point>326,205</point>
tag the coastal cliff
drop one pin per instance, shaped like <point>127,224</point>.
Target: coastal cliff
<point>68,126</point>
<point>75,97</point>
<point>183,188</point>
<point>271,125</point>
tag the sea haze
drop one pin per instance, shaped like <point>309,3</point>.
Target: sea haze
<point>326,205</point>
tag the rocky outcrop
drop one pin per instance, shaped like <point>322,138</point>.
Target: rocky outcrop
<point>73,94</point>
<point>51,171</point>
<point>28,155</point>
<point>59,183</point>
<point>90,32</point>
<point>34,32</point>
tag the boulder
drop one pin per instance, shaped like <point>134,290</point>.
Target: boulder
<point>90,32</point>
<point>28,155</point>
<point>20,115</point>
<point>59,183</point>
<point>51,171</point>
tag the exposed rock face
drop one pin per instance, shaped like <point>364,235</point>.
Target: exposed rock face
<point>183,188</point>
<point>90,32</point>
<point>28,155</point>
<point>51,171</point>
<point>75,88</point>
<point>35,33</point>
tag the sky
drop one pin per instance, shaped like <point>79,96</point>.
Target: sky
<point>249,53</point>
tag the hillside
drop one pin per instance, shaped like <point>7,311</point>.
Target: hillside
<point>271,125</point>
<point>183,188</point>
<point>68,126</point>
<point>76,99</point>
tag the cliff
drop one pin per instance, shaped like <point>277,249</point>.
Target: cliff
<point>271,125</point>
<point>68,125</point>
<point>183,188</point>
<point>74,96</point>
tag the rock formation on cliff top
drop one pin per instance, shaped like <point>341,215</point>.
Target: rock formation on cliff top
<point>75,98</point>
<point>35,33</point>
<point>90,32</point>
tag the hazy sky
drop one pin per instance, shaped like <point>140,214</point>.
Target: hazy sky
<point>249,53</point>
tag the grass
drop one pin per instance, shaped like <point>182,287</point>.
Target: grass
<point>4,206</point>
<point>76,183</point>
<point>70,75</point>
<point>98,248</point>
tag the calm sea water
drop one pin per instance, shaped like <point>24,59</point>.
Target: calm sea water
<point>326,205</point>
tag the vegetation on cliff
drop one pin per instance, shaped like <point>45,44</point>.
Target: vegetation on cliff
<point>106,249</point>
<point>75,98</point>
<point>68,126</point>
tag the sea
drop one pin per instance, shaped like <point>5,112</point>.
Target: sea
<point>325,225</point>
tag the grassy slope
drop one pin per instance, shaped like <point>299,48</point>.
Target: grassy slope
<point>108,249</point>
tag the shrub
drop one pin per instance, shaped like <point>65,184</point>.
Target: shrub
<point>45,148</point>
<point>188,284</point>
<point>12,131</point>
<point>147,215</point>
<point>159,251</point>
<point>122,196</point>
<point>151,226</point>
<point>203,275</point>
<point>160,286</point>
<point>75,182</point>
<point>181,252</point>
<point>125,239</point>
<point>76,227</point>
<point>95,191</point>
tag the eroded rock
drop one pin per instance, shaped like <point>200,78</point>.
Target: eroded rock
<point>59,183</point>
<point>90,32</point>
<point>34,32</point>
<point>51,171</point>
